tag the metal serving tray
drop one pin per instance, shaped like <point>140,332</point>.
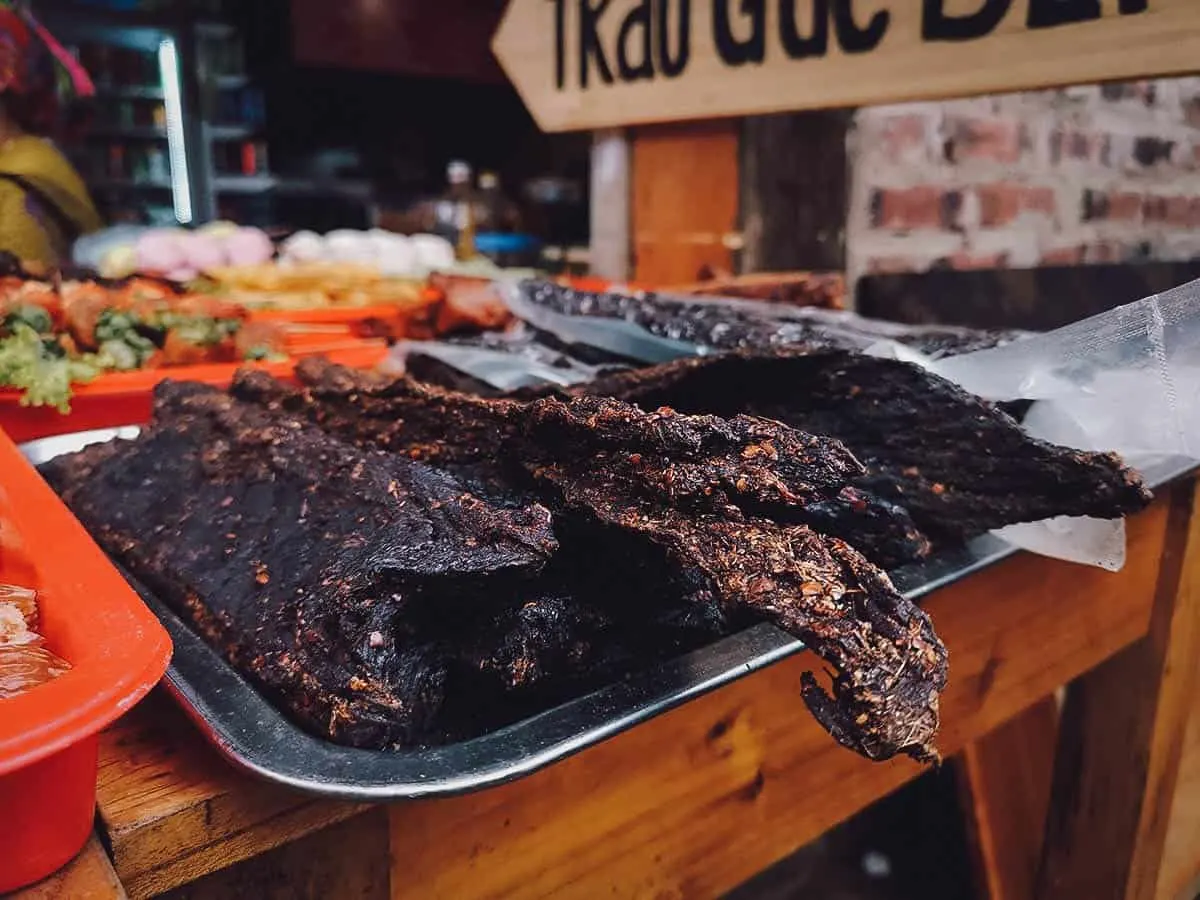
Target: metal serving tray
<point>255,736</point>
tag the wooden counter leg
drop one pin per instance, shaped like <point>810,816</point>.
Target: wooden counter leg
<point>1120,740</point>
<point>1004,782</point>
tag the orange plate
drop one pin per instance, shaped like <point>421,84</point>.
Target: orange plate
<point>124,398</point>
<point>117,650</point>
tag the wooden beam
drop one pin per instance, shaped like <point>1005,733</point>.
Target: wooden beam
<point>347,861</point>
<point>702,798</point>
<point>685,200</point>
<point>1121,740</point>
<point>1004,781</point>
<point>795,192</point>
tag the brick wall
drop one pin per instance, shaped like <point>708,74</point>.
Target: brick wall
<point>1084,174</point>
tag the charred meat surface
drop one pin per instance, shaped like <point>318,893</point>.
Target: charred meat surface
<point>957,464</point>
<point>303,559</point>
<point>487,442</point>
<point>701,494</point>
<point>890,666</point>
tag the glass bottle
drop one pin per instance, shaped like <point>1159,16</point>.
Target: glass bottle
<point>456,210</point>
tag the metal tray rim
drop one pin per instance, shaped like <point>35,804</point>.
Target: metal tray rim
<point>258,738</point>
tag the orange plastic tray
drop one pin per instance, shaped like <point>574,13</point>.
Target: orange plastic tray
<point>117,649</point>
<point>332,315</point>
<point>125,398</point>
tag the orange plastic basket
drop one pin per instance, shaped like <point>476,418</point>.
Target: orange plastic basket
<point>117,650</point>
<point>124,398</point>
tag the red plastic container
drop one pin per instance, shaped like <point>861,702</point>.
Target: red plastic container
<point>117,650</point>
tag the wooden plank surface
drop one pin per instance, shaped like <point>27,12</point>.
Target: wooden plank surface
<point>347,861</point>
<point>885,53</point>
<point>1004,779</point>
<point>1181,853</point>
<point>685,200</point>
<point>698,800</point>
<point>89,876</point>
<point>1121,739</point>
<point>174,811</point>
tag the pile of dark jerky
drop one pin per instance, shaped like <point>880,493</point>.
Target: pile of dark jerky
<point>382,557</point>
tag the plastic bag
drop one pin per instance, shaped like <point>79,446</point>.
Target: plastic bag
<point>1126,380</point>
<point>614,336</point>
<point>502,369</point>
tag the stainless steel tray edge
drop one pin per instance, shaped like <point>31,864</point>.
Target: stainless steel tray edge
<point>256,737</point>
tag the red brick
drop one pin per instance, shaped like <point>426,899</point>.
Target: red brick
<point>903,136</point>
<point>1191,111</point>
<point>1124,206</point>
<point>1039,199</point>
<point>882,265</point>
<point>1001,202</point>
<point>998,140</point>
<point>907,208</point>
<point>1105,252</point>
<point>1175,211</point>
<point>966,260</point>
<point>1081,146</point>
<point>1179,211</point>
<point>1063,256</point>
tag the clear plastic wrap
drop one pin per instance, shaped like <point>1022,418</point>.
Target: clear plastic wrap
<point>1129,378</point>
<point>1126,380</point>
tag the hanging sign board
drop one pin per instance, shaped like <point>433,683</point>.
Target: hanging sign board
<point>598,63</point>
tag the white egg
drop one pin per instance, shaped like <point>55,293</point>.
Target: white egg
<point>394,253</point>
<point>304,247</point>
<point>432,251</point>
<point>350,247</point>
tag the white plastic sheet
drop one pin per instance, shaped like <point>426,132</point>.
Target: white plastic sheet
<point>1126,380</point>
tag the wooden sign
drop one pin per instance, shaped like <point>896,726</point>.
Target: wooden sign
<point>597,63</point>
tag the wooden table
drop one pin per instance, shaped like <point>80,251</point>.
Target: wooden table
<point>701,798</point>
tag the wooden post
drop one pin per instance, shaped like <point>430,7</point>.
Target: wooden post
<point>794,176</point>
<point>1121,739</point>
<point>1180,871</point>
<point>1004,783</point>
